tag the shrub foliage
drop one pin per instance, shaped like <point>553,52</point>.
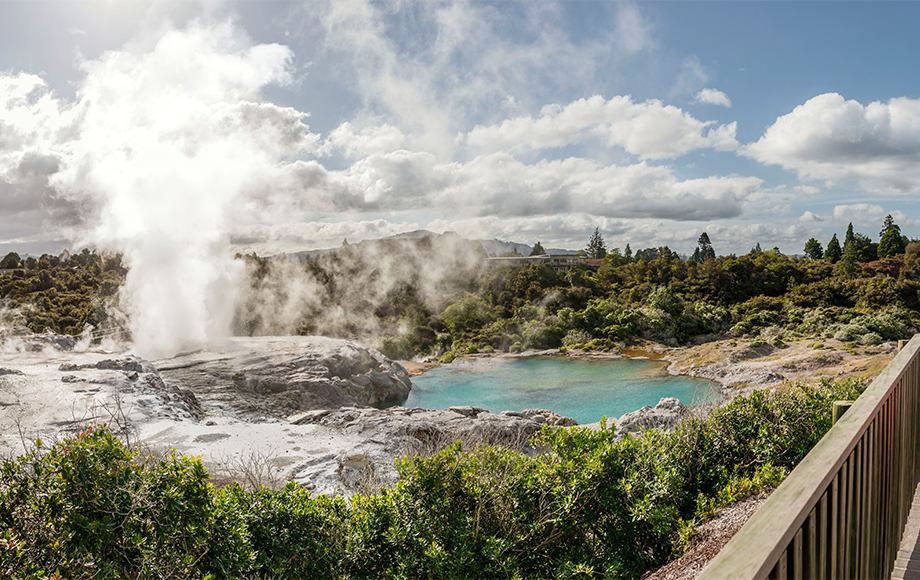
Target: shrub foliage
<point>586,506</point>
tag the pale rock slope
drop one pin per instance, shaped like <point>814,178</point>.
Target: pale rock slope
<point>276,408</point>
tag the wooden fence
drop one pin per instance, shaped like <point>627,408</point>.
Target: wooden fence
<point>842,510</point>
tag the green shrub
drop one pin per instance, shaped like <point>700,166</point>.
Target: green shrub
<point>88,508</point>
<point>287,534</point>
<point>586,505</point>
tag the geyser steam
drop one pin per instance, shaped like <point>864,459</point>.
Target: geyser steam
<point>167,147</point>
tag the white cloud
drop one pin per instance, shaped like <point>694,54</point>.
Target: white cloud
<point>829,138</point>
<point>806,190</point>
<point>632,32</point>
<point>366,141</point>
<point>498,184</point>
<point>566,231</point>
<point>872,216</point>
<point>810,217</point>
<point>649,130</point>
<point>572,232</point>
<point>269,239</point>
<point>692,77</point>
<point>713,97</point>
<point>418,85</point>
<point>32,122</point>
<point>859,213</point>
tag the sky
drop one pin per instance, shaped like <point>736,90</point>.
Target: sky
<point>162,128</point>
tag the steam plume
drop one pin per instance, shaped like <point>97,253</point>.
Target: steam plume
<point>168,145</point>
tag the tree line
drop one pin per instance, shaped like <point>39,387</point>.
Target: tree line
<point>434,297</point>
<point>869,293</point>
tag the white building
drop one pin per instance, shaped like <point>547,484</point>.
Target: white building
<point>558,262</point>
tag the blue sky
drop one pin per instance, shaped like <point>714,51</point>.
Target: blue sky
<point>281,126</point>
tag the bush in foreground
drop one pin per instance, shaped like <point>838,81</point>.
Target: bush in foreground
<point>588,506</point>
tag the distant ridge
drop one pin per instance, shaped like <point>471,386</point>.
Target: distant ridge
<point>413,235</point>
<point>496,246</point>
<point>492,247</point>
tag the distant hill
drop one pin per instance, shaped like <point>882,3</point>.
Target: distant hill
<point>496,246</point>
<point>492,247</point>
<point>413,235</point>
<point>304,254</point>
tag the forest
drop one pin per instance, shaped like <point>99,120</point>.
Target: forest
<point>859,292</point>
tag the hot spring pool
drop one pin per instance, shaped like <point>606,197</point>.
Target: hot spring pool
<point>584,390</point>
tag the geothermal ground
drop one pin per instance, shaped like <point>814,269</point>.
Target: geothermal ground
<point>274,409</point>
<point>261,410</point>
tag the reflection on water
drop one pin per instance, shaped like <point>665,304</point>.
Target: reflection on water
<point>584,390</point>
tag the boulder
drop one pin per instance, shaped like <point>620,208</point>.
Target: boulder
<point>410,429</point>
<point>662,417</point>
<point>280,376</point>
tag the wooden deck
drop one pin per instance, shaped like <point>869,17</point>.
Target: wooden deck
<point>907,566</point>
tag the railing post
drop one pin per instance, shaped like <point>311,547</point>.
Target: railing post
<point>840,407</point>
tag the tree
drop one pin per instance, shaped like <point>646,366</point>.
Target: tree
<point>628,253</point>
<point>11,261</point>
<point>847,268</point>
<point>538,250</point>
<point>813,249</point>
<point>892,243</point>
<point>833,252</point>
<point>889,225</point>
<point>849,237</point>
<point>704,249</point>
<point>596,246</point>
<point>865,250</point>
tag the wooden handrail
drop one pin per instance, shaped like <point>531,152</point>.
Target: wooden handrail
<point>842,510</point>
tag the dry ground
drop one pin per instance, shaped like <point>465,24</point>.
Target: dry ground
<point>709,538</point>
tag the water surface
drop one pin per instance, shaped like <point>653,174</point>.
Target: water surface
<point>584,390</point>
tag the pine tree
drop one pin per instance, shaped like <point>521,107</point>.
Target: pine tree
<point>849,263</point>
<point>891,243</point>
<point>888,225</point>
<point>813,249</point>
<point>596,246</point>
<point>628,253</point>
<point>833,253</point>
<point>704,249</point>
<point>848,240</point>
<point>538,250</point>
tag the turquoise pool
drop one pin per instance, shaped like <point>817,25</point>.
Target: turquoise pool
<point>584,390</point>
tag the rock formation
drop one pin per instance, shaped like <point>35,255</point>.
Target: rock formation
<point>662,417</point>
<point>280,376</point>
<point>414,427</point>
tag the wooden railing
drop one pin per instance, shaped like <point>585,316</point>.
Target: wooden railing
<point>842,510</point>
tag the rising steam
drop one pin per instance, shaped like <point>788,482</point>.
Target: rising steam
<point>167,147</point>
